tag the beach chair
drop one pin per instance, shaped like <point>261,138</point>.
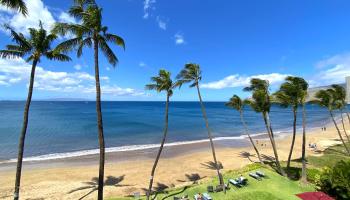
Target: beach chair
<point>242,181</point>
<point>206,196</point>
<point>234,182</point>
<point>210,188</point>
<point>255,176</point>
<point>260,173</point>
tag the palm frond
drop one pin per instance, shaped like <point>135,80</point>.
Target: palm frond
<point>52,55</point>
<point>68,44</point>
<point>107,51</point>
<point>115,39</point>
<point>11,54</point>
<point>19,5</point>
<point>19,38</point>
<point>85,42</point>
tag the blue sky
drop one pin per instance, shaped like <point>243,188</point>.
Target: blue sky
<point>231,40</point>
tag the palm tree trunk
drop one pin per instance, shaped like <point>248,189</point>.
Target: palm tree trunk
<point>24,131</point>
<point>339,133</point>
<point>250,138</point>
<point>342,121</point>
<point>303,151</point>
<point>149,193</point>
<point>101,140</point>
<point>272,139</point>
<point>293,139</point>
<point>210,138</point>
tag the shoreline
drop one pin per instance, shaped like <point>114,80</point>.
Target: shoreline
<point>55,179</point>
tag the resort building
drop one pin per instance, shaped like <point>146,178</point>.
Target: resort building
<point>312,91</point>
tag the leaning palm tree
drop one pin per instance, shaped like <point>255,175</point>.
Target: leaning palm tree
<point>290,94</point>
<point>340,96</point>
<point>326,98</point>
<point>91,33</point>
<point>192,74</point>
<point>261,103</point>
<point>33,48</point>
<point>162,82</point>
<point>19,5</point>
<point>303,96</point>
<point>236,103</point>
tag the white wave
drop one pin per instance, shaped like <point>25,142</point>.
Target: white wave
<point>54,156</point>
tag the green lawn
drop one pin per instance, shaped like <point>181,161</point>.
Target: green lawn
<point>273,187</point>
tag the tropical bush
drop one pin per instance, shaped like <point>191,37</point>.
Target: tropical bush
<point>336,181</point>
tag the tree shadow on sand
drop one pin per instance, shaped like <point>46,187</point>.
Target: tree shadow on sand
<point>194,178</point>
<point>247,155</point>
<point>159,188</point>
<point>93,184</point>
<point>211,165</point>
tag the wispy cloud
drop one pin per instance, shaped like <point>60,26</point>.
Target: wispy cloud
<point>142,64</point>
<point>237,80</point>
<point>17,71</point>
<point>333,70</point>
<point>161,23</point>
<point>179,38</point>
<point>148,6</point>
<point>77,67</point>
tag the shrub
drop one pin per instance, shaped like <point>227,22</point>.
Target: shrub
<point>336,181</point>
<point>313,175</point>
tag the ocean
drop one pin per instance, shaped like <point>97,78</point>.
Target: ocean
<point>60,129</point>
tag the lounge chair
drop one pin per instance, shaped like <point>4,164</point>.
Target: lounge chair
<point>206,196</point>
<point>255,176</point>
<point>210,188</point>
<point>259,173</point>
<point>234,182</point>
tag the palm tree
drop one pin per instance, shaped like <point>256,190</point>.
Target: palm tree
<point>91,33</point>
<point>192,74</point>
<point>340,96</point>
<point>162,82</point>
<point>19,5</point>
<point>290,94</point>
<point>33,48</point>
<point>236,102</point>
<point>260,102</point>
<point>326,98</point>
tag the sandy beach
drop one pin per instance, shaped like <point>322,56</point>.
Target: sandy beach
<point>128,172</point>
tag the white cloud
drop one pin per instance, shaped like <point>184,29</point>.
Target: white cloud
<point>148,5</point>
<point>17,71</point>
<point>77,67</point>
<point>162,24</point>
<point>36,11</point>
<point>142,64</point>
<point>237,80</point>
<point>333,70</point>
<point>108,68</point>
<point>179,38</point>
<point>65,17</point>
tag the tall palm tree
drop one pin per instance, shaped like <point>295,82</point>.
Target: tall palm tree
<point>261,103</point>
<point>290,94</point>
<point>340,96</point>
<point>33,48</point>
<point>19,5</point>
<point>236,102</point>
<point>162,82</point>
<point>303,97</point>
<point>91,33</point>
<point>192,74</point>
<point>326,98</point>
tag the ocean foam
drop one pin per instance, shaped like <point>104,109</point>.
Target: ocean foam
<point>54,156</point>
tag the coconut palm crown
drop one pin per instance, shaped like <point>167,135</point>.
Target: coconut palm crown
<point>89,32</point>
<point>33,48</point>
<point>162,82</point>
